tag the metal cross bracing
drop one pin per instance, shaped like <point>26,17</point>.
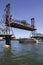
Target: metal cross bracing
<point>5,30</point>
<point>5,22</point>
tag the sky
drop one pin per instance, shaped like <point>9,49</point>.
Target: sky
<point>25,10</point>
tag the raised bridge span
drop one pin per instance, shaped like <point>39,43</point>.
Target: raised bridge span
<point>20,25</point>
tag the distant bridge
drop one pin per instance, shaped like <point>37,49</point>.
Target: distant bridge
<point>38,36</point>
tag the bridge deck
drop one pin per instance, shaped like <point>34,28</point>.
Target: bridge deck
<point>22,26</point>
<point>4,35</point>
<point>37,36</point>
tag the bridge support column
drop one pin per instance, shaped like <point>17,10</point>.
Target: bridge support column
<point>42,38</point>
<point>8,40</point>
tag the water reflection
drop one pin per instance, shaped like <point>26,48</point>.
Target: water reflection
<point>6,56</point>
<point>21,54</point>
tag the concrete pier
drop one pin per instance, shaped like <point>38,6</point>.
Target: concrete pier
<point>8,40</point>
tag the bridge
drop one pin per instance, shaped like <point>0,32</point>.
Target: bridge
<point>20,25</point>
<point>4,35</point>
<point>9,22</point>
<point>38,36</point>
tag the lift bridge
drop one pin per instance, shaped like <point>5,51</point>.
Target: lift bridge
<point>8,23</point>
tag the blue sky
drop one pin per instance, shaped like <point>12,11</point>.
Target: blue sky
<point>25,10</point>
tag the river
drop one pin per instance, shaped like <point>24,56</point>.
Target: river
<point>21,54</point>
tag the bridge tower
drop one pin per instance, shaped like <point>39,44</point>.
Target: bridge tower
<point>33,25</point>
<point>7,18</point>
<point>7,23</point>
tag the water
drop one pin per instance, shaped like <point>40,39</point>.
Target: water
<point>21,54</point>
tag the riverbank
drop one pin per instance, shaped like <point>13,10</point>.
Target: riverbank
<point>22,40</point>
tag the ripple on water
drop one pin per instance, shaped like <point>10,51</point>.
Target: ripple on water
<point>21,54</point>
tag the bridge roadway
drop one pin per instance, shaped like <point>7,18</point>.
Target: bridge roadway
<point>4,35</point>
<point>22,26</point>
<point>37,36</point>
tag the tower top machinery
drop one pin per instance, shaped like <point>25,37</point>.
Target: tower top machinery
<point>33,22</point>
<point>33,25</point>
